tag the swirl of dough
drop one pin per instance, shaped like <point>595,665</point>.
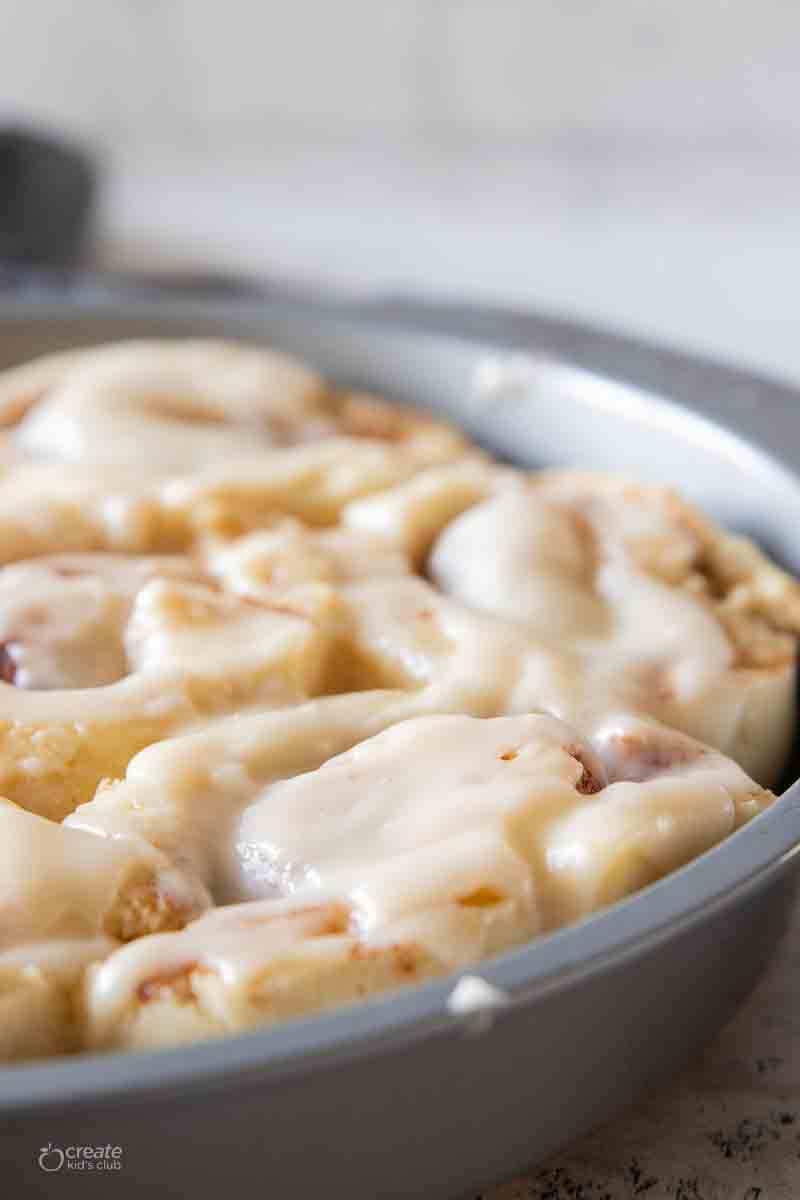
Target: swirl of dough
<point>63,617</point>
<point>103,655</point>
<point>167,407</point>
<point>170,407</point>
<point>634,583</point>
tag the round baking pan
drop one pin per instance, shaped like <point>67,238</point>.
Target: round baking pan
<point>410,1095</point>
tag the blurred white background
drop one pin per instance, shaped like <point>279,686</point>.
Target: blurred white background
<point>635,162</point>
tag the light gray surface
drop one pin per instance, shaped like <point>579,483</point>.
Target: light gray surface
<point>573,76</point>
<point>618,162</point>
<point>395,1099</point>
<point>696,245</point>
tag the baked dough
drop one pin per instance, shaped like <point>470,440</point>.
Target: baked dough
<point>67,898</point>
<point>137,446</point>
<point>304,699</point>
<point>420,850</point>
<point>103,654</point>
<point>667,614</point>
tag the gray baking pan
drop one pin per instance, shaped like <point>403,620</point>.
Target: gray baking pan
<point>405,1097</point>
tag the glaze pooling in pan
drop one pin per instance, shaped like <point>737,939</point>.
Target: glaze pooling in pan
<point>326,702</point>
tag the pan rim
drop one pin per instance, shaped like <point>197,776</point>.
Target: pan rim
<point>748,860</point>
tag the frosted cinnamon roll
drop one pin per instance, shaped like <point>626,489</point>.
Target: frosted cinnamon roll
<point>161,406</point>
<point>96,435</point>
<point>666,613</point>
<point>67,898</point>
<point>424,848</point>
<point>240,967</point>
<point>174,406</point>
<point>99,656</point>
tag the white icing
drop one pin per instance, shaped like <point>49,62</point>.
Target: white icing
<point>451,834</point>
<point>501,783</point>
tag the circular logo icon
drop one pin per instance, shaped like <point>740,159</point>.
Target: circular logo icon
<point>51,1158</point>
